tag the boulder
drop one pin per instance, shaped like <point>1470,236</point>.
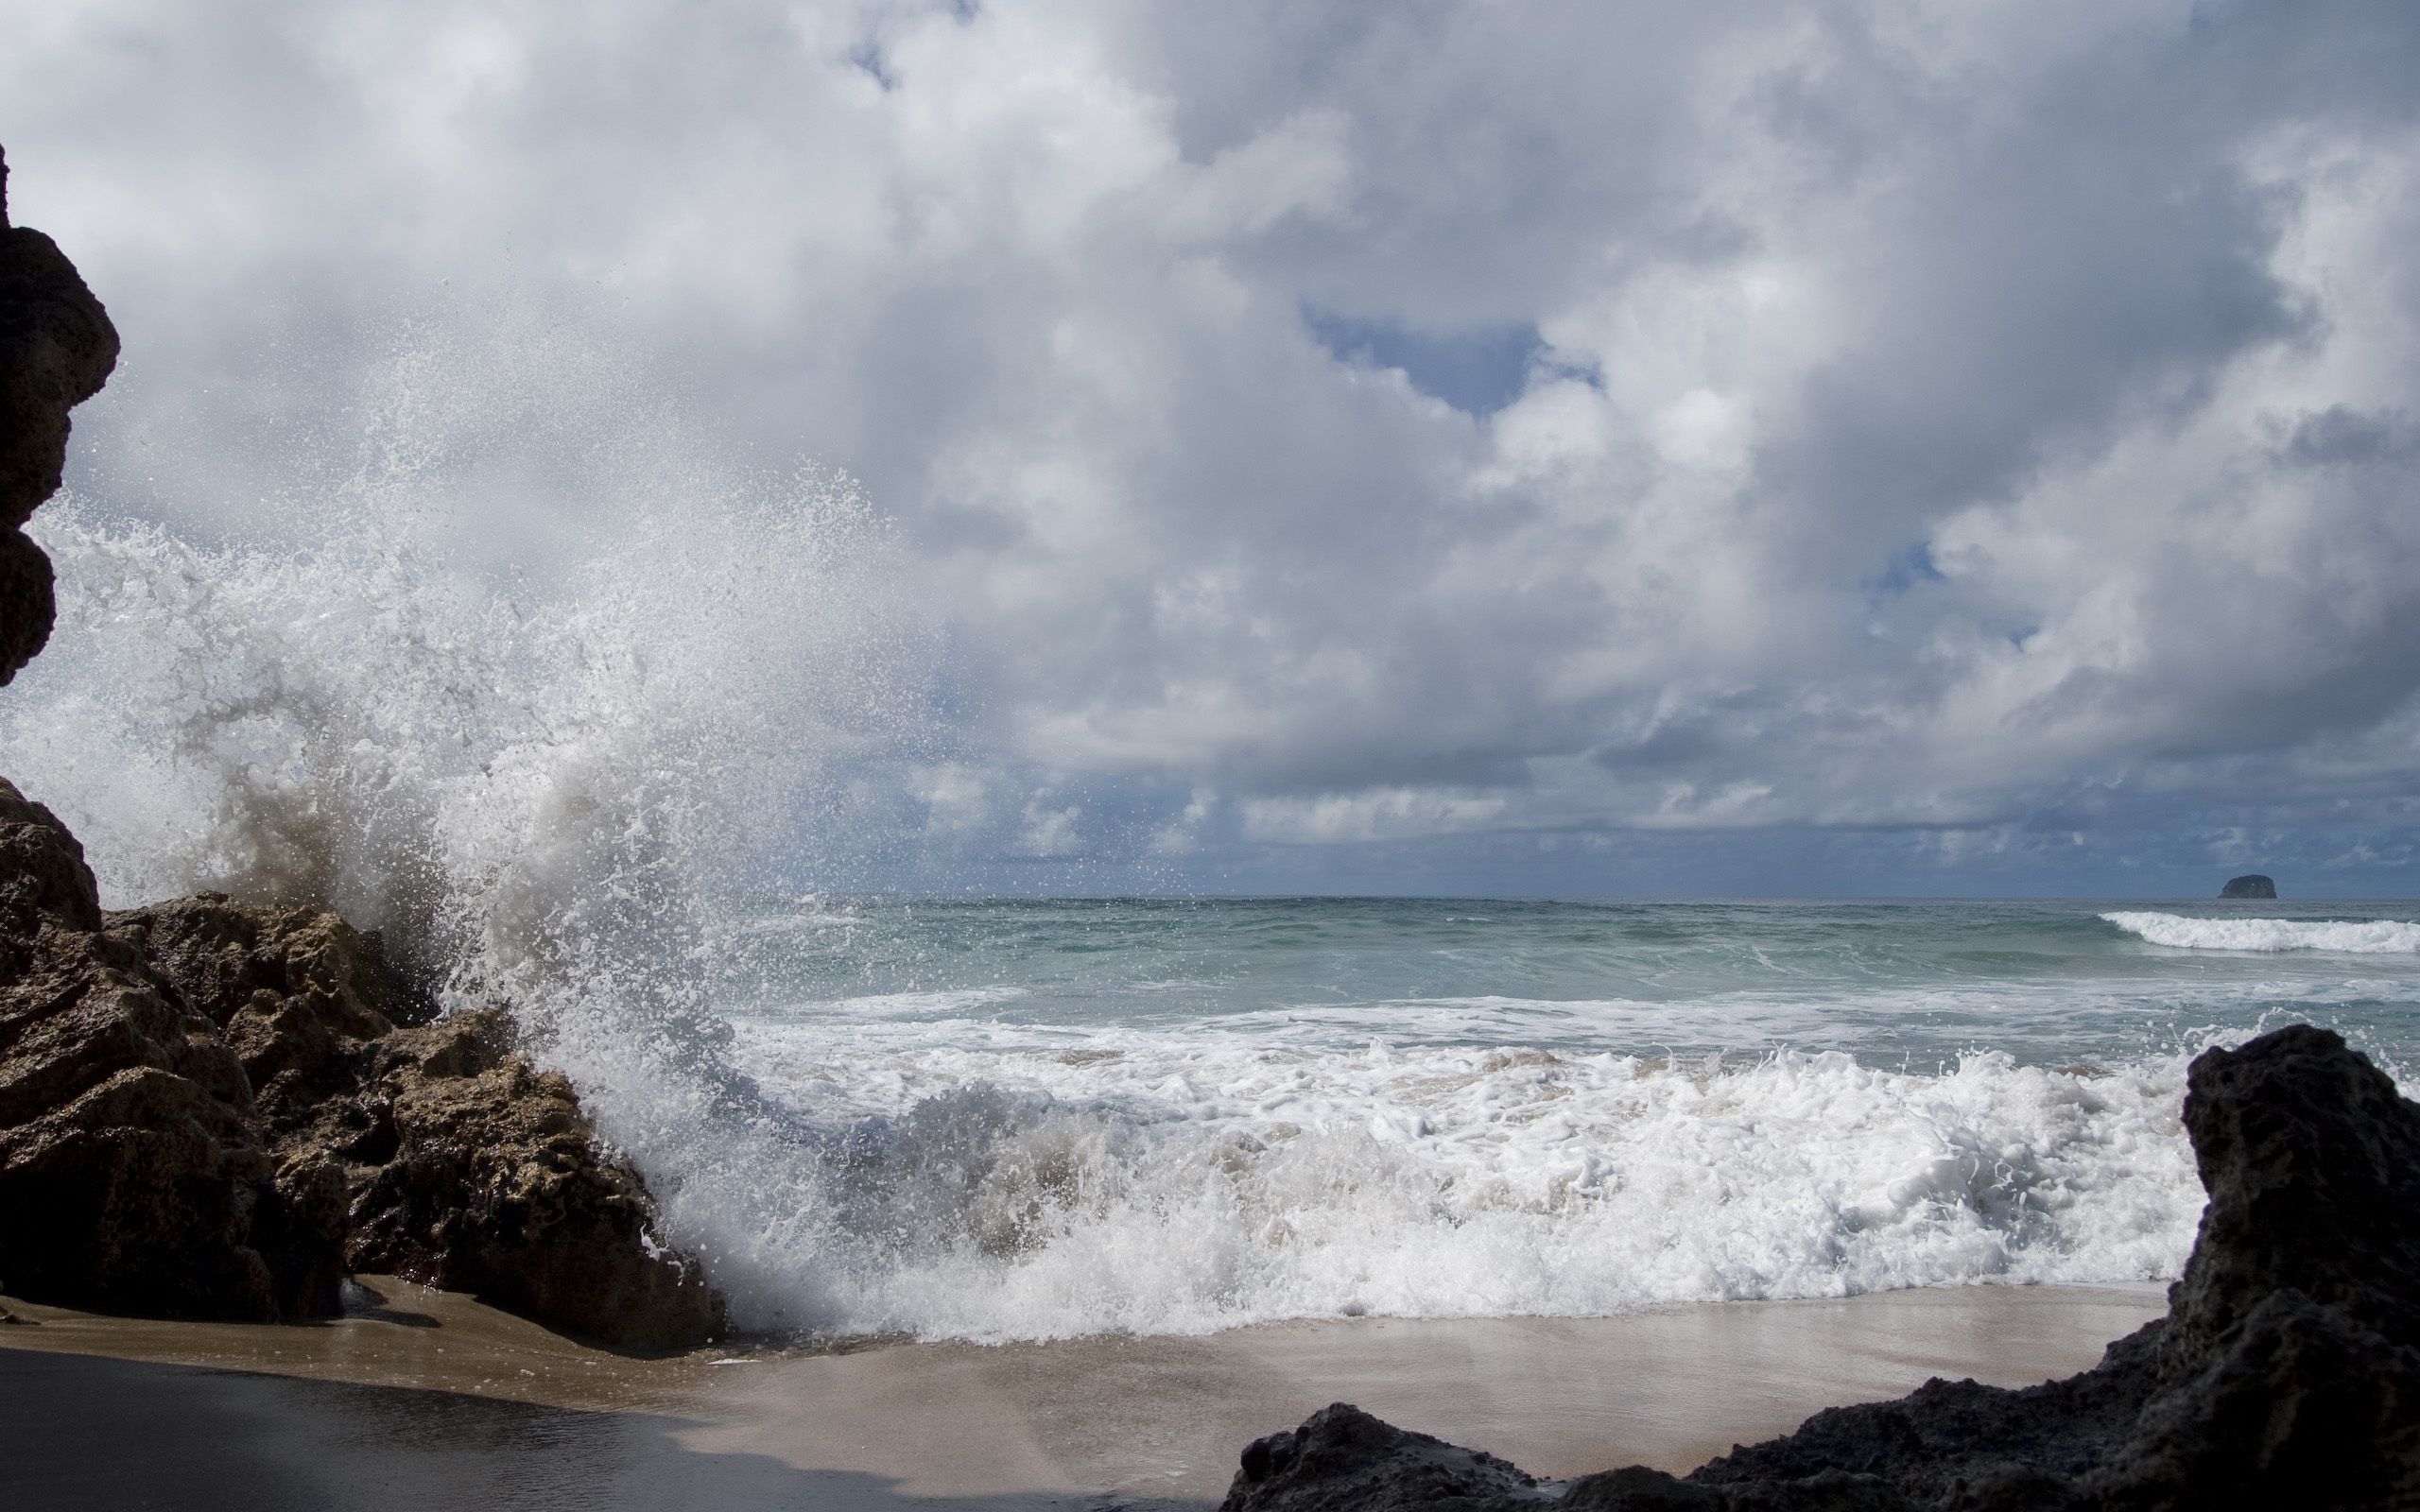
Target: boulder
<point>461,1164</point>
<point>2253,885</point>
<point>57,348</point>
<point>132,1172</point>
<point>474,1171</point>
<point>1344,1457</point>
<point>2287,1372</point>
<point>216,1109</point>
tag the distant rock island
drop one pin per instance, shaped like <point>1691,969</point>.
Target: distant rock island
<point>2250,886</point>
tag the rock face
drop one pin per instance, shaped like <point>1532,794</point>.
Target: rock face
<point>131,1176</point>
<point>57,348</point>
<point>2287,1372</point>
<point>215,1110</point>
<point>2250,886</point>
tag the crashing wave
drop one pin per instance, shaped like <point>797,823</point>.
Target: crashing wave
<point>2383,936</point>
<point>545,789</point>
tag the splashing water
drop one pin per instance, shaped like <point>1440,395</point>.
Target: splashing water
<point>564,787</point>
<point>535,787</point>
<point>2382,937</point>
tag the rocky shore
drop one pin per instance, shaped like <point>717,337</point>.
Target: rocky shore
<point>2287,1372</point>
<point>215,1110</point>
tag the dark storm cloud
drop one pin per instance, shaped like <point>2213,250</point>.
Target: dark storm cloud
<point>1525,430</point>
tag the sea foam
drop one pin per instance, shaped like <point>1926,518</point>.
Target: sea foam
<point>2346,936</point>
<point>997,1183</point>
<point>546,788</point>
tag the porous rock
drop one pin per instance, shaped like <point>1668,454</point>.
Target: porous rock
<point>461,1164</point>
<point>2287,1372</point>
<point>472,1170</point>
<point>213,1108</point>
<point>57,348</point>
<point>132,1172</point>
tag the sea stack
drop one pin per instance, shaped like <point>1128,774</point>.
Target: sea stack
<point>2251,884</point>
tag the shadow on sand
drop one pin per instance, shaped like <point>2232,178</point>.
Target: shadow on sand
<point>79,1432</point>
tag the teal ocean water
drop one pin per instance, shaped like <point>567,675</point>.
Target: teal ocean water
<point>1027,1119</point>
<point>1917,982</point>
<point>1066,1116</point>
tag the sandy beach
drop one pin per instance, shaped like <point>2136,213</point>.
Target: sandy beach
<point>426,1399</point>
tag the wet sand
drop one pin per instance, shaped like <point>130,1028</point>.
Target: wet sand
<point>427,1400</point>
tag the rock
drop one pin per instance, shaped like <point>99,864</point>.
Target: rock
<point>131,1174</point>
<point>2249,885</point>
<point>212,1108</point>
<point>492,1182</point>
<point>2287,1372</point>
<point>1342,1456</point>
<point>458,1163</point>
<point>57,348</point>
<point>300,994</point>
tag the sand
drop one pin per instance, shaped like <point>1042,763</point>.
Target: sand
<point>426,1400</point>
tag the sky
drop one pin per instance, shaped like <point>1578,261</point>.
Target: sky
<point>1487,447</point>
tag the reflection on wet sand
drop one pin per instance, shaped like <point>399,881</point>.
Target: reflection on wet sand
<point>424,1399</point>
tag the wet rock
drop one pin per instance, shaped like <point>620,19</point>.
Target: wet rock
<point>133,1176</point>
<point>474,1171</point>
<point>301,995</point>
<point>212,1109</point>
<point>1344,1457</point>
<point>2251,885</point>
<point>2287,1372</point>
<point>57,348</point>
<point>458,1163</point>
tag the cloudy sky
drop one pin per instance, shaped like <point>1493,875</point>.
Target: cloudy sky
<point>1483,446</point>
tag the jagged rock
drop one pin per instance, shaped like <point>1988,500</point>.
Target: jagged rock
<point>300,994</point>
<point>210,1108</point>
<point>57,348</point>
<point>131,1174</point>
<point>459,1165</point>
<point>476,1172</point>
<point>2287,1372</point>
<point>2249,885</point>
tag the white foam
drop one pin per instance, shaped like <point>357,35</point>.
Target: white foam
<point>2348,938</point>
<point>1009,1181</point>
<point>543,787</point>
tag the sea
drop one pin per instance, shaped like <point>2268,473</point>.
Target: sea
<point>591,794</point>
<point>1177,1115</point>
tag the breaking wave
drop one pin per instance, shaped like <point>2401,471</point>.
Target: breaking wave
<point>2348,938</point>
<point>545,785</point>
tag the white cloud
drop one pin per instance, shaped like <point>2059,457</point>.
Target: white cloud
<point>1946,417</point>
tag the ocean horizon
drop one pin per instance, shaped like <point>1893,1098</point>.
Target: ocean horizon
<point>1035,1117</point>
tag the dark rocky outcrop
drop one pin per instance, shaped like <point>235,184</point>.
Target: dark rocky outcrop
<point>131,1174</point>
<point>2287,1372</point>
<point>57,348</point>
<point>1344,1457</point>
<point>2253,885</point>
<point>211,1108</point>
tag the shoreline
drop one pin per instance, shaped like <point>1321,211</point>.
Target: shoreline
<point>424,1399</point>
